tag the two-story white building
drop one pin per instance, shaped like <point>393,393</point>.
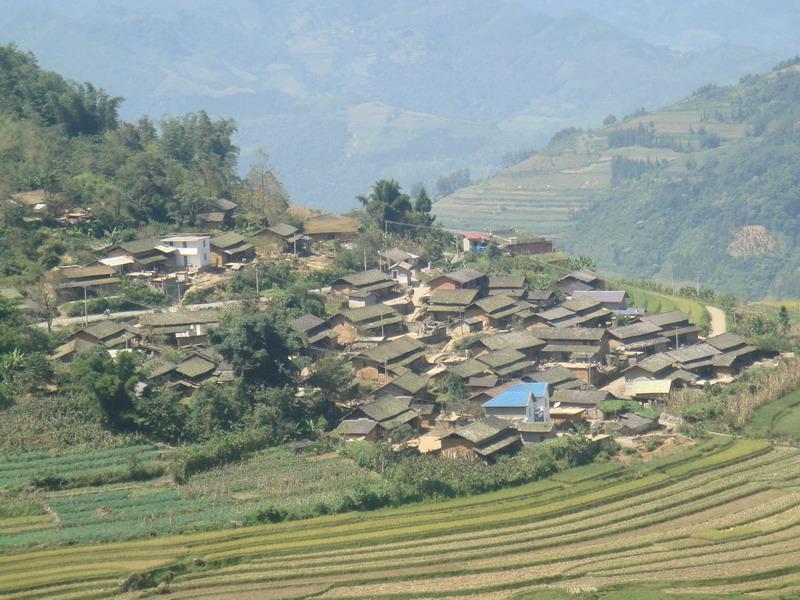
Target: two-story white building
<point>194,250</point>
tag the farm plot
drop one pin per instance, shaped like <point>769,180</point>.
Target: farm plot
<point>698,520</point>
<point>221,498</point>
<point>778,420</point>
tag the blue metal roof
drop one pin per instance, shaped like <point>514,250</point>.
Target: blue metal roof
<point>518,395</point>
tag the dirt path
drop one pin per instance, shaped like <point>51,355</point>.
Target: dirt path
<point>719,323</point>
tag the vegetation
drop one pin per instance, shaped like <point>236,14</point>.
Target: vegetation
<point>517,540</point>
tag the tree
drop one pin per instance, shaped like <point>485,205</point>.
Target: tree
<point>422,203</point>
<point>784,321</point>
<point>263,192</point>
<point>386,202</point>
<point>333,376</point>
<point>609,120</point>
<point>105,385</point>
<point>256,346</point>
<point>162,415</point>
<point>214,408</point>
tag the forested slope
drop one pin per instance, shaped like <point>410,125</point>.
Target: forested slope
<point>727,212</point>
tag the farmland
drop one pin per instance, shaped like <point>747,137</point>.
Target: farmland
<point>543,192</point>
<point>711,519</point>
<point>778,420</point>
<point>107,495</point>
<point>657,302</point>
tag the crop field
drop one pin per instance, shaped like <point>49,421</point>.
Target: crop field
<point>778,420</point>
<point>719,519</point>
<point>87,511</point>
<point>540,194</point>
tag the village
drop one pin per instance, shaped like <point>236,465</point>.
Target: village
<point>457,362</point>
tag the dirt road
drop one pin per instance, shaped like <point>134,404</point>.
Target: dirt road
<point>719,323</point>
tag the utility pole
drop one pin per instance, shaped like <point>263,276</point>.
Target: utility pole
<point>85,308</point>
<point>697,282</point>
<point>258,291</point>
<point>365,259</point>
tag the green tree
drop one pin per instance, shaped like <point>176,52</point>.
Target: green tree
<point>106,385</point>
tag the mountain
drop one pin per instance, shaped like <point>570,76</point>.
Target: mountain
<point>343,93</point>
<point>725,208</point>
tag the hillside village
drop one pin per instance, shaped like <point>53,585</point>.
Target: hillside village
<point>451,361</point>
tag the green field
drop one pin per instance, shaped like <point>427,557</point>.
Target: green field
<point>84,509</point>
<point>718,519</point>
<point>777,420</point>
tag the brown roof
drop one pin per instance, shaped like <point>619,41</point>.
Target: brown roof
<point>322,224</point>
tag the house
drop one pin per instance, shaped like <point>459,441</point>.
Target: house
<point>373,282</point>
<point>67,351</point>
<point>649,390</point>
<point>185,374</point>
<point>513,286</point>
<point>737,353</point>
<point>611,299</point>
<point>564,343</point>
<point>222,217</point>
<point>630,424</point>
<point>75,282</point>
<point>521,243</point>
<point>463,279</point>
<point>140,255</point>
<point>481,383</point>
<point>282,237</point>
<point>475,241</point>
<point>552,317</point>
<point>541,298</point>
<point>484,439</point>
<point>587,400</point>
<point>181,328</point>
<point>371,321</point>
<point>230,247</point>
<point>316,332</point>
<point>75,216</point>
<point>532,432</point>
<point>507,362</point>
<point>357,430</point>
<point>193,250</point>
<point>496,311</point>
<point>389,412</point>
<point>330,227</point>
<point>696,358</point>
<point>560,378</point>
<point>579,280</point>
<point>521,402</point>
<point>469,368</point>
<point>450,304</point>
<point>587,313</point>
<point>110,334</point>
<point>408,384</point>
<point>641,337</point>
<point>675,327</point>
<point>399,264</point>
<point>522,340</point>
<point>657,366</point>
<point>36,202</point>
<point>395,357</point>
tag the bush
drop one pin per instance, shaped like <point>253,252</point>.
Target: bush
<point>220,449</point>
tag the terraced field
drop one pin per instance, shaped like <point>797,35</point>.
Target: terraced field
<point>656,302</point>
<point>540,194</point>
<point>722,518</point>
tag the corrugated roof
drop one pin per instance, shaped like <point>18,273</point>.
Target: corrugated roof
<point>518,396</point>
<point>356,427</point>
<point>570,333</point>
<point>396,349</point>
<point>644,387</point>
<point>482,430</point>
<point>463,276</point>
<point>453,297</point>
<point>635,330</point>
<point>604,296</point>
<point>665,319</point>
<point>582,397</point>
<point>503,357</point>
<point>518,340</point>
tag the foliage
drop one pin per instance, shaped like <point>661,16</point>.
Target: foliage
<point>617,407</point>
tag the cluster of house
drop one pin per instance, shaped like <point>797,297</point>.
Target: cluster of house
<point>531,363</point>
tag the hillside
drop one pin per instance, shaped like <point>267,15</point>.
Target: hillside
<point>343,93</point>
<point>706,187</point>
<point>717,520</point>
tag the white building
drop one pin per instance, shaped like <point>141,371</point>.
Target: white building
<point>194,251</point>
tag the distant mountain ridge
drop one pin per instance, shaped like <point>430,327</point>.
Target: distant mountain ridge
<point>343,93</point>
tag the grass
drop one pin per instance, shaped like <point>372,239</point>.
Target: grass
<point>698,518</point>
<point>778,420</point>
<point>656,302</point>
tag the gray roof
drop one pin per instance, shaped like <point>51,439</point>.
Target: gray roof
<point>655,363</point>
<point>482,430</point>
<point>464,275</point>
<point>468,368</point>
<point>396,255</point>
<point>355,427</point>
<point>518,340</point>
<point>396,349</point>
<point>583,397</point>
<point>453,297</point>
<point>726,341</point>
<point>578,305</point>
<point>385,408</point>
<point>693,353</point>
<point>499,303</point>
<point>500,358</point>
<point>306,323</point>
<point>539,294</point>
<point>555,375</point>
<point>582,275</point>
<point>366,278</point>
<point>570,333</point>
<point>665,319</point>
<point>283,229</point>
<point>557,312</point>
<point>506,281</point>
<point>104,329</point>
<point>370,313</point>
<point>635,330</point>
<point>634,421</point>
<point>179,318</point>
<point>409,382</point>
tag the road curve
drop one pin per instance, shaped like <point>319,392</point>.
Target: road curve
<point>719,323</point>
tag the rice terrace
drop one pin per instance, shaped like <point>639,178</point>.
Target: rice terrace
<point>719,519</point>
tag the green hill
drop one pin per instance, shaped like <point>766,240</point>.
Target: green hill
<point>705,187</point>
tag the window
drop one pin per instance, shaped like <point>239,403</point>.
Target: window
<point>184,244</point>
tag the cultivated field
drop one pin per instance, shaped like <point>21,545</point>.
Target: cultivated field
<point>778,420</point>
<point>720,518</point>
<point>656,302</point>
<point>540,194</point>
